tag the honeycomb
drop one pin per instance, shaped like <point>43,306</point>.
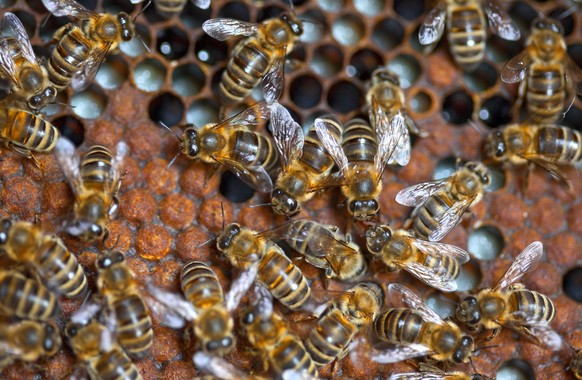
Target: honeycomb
<point>168,212</point>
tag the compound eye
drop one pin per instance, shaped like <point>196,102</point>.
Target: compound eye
<point>247,318</point>
<point>227,342</point>
<point>95,229</point>
<point>71,330</point>
<point>35,101</point>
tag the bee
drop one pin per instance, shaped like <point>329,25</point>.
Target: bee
<point>554,148</point>
<point>248,251</point>
<point>440,204</point>
<point>169,8</point>
<point>26,243</point>
<point>117,284</point>
<point>512,305</point>
<point>232,144</point>
<point>304,161</point>
<point>81,49</point>
<point>28,341</point>
<point>267,332</point>
<point>549,78</point>
<point>418,331</point>
<point>435,264</point>
<point>95,181</point>
<point>430,372</point>
<point>19,65</point>
<point>343,318</point>
<point>25,298</point>
<point>260,57</point>
<point>362,158</point>
<point>466,28</point>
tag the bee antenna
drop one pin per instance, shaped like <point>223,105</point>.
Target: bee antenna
<point>479,128</point>
<point>142,10</point>
<point>144,44</point>
<point>292,6</point>
<point>566,13</point>
<point>485,347</point>
<point>171,130</point>
<point>206,242</point>
<point>173,160</point>
<point>43,23</point>
<point>222,209</point>
<point>261,205</point>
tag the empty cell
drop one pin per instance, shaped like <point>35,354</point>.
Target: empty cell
<point>457,107</point>
<point>89,103</point>
<point>149,75</point>
<point>344,97</point>
<point>233,189</point>
<point>482,78</point>
<point>138,45</point>
<point>495,111</point>
<point>407,68</point>
<point>112,73</point>
<point>305,91</point>
<point>364,62</point>
<point>348,30</point>
<point>172,43</point>
<point>72,128</point>
<point>515,369</point>
<point>193,17</point>
<point>409,9</point>
<point>421,102</point>
<point>166,108</point>
<point>327,60</point>
<point>188,80</point>
<point>572,284</point>
<point>235,10</point>
<point>209,50</point>
<point>202,112</point>
<point>485,243</point>
<point>388,34</point>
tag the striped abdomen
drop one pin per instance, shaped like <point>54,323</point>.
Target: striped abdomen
<point>248,64</point>
<point>170,6</point>
<point>399,326</point>
<point>114,365</point>
<point>68,57</point>
<point>96,169</point>
<point>25,298</point>
<point>291,354</point>
<point>359,141</point>
<point>546,93</point>
<point>315,158</point>
<point>428,215</point>
<point>536,306</point>
<point>253,149</point>
<point>60,268</point>
<point>200,285</point>
<point>283,279</point>
<point>134,326</point>
<point>561,143</point>
<point>444,267</point>
<point>330,338</point>
<point>29,131</point>
<point>467,34</point>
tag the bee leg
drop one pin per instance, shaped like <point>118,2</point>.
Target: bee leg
<point>493,334</point>
<point>525,182</point>
<point>328,276</point>
<point>515,110</point>
<point>62,31</point>
<point>210,172</point>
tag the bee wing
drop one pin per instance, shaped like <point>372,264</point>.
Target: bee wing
<point>272,82</point>
<point>500,22</point>
<point>538,332</point>
<point>551,164</point>
<point>287,133</point>
<point>250,117</point>
<point>392,136</point>
<point>331,144</point>
<point>450,219</point>
<point>217,366</point>
<point>400,353</point>
<point>428,276</point>
<point>68,8</point>
<point>399,294</point>
<point>433,26</point>
<point>417,194</point>
<point>7,63</point>
<point>262,301</point>
<point>253,175</point>
<point>69,161</point>
<point>419,376</point>
<point>240,287</point>
<point>224,28</point>
<point>523,263</point>
<point>515,69</point>
<point>174,310</point>
<point>574,75</point>
<point>202,4</point>
<point>83,78</point>
<point>12,26</point>
<point>443,249</point>
<point>86,312</point>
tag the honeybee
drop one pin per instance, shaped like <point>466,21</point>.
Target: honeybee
<point>260,57</point>
<point>303,158</point>
<point>343,318</point>
<point>512,305</point>
<point>248,250</point>
<point>550,79</point>
<point>467,28</point>
<point>26,243</point>
<point>440,204</point>
<point>435,264</point>
<point>118,286</point>
<point>361,158</point>
<point>95,181</point>
<point>18,64</point>
<point>232,143</point>
<point>28,341</point>
<point>169,8</point>
<point>418,331</point>
<point>81,49</point>
<point>25,298</point>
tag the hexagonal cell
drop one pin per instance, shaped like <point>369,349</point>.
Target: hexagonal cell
<point>112,73</point>
<point>348,29</point>
<point>114,6</point>
<point>28,21</point>
<point>575,52</point>
<point>469,277</point>
<point>269,12</point>
<point>500,50</point>
<point>414,43</point>
<point>140,44</point>
<point>515,369</point>
<point>166,108</point>
<point>445,167</point>
<point>457,107</point>
<point>89,103</point>
<point>48,28</point>
<point>495,111</point>
<point>202,112</point>
<point>314,26</point>
<point>485,243</point>
<point>327,60</point>
<point>209,50</point>
<point>421,102</point>
<point>409,9</point>
<point>370,7</point>
<point>482,78</point>
<point>233,189</point>
<point>564,15</point>
<point>172,43</point>
<point>344,97</point>
<point>236,10</point>
<point>572,284</point>
<point>188,79</point>
<point>388,34</point>
<point>332,6</point>
<point>149,75</point>
<point>71,128</point>
<point>523,14</point>
<point>442,304</point>
<point>363,63</point>
<point>305,91</point>
<point>572,118</point>
<point>193,17</point>
<point>407,68</point>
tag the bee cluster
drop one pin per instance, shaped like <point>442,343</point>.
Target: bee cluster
<point>352,95</point>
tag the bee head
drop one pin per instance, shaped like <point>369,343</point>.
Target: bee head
<point>480,170</point>
<point>544,23</point>
<point>126,24</point>
<point>52,339</point>
<point>468,311</point>
<point>189,143</point>
<point>38,101</point>
<point>214,327</point>
<point>363,209</point>
<point>284,204</point>
<point>293,22</point>
<point>377,237</point>
<point>224,240</point>
<point>464,350</point>
<point>5,226</point>
<point>382,74</point>
<point>495,147</point>
<point>108,259</point>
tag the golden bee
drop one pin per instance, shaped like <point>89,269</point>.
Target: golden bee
<point>549,78</point>
<point>341,321</point>
<point>119,288</point>
<point>361,158</point>
<point>304,160</point>
<point>28,341</point>
<point>417,330</point>
<point>25,243</point>
<point>260,57</point>
<point>81,49</point>
<point>95,180</point>
<point>439,205</point>
<point>467,29</point>
<point>19,65</point>
<point>233,144</point>
<point>25,298</point>
<point>435,264</point>
<point>169,8</point>
<point>513,306</point>
<point>250,251</point>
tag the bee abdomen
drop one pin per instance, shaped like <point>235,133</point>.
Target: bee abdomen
<point>444,267</point>
<point>115,365</point>
<point>68,58</point>
<point>546,94</point>
<point>562,142</point>
<point>200,285</point>
<point>314,156</point>
<point>291,354</point>
<point>536,306</point>
<point>359,141</point>
<point>467,35</point>
<point>330,338</point>
<point>25,298</point>
<point>96,166</point>
<point>134,326</point>
<point>398,326</point>
<point>428,215</point>
<point>254,149</point>
<point>29,131</point>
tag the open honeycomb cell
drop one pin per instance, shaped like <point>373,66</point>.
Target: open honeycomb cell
<point>169,75</point>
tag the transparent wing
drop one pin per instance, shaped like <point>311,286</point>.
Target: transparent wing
<point>68,8</point>
<point>6,59</point>
<point>217,366</point>
<point>253,175</point>
<point>174,310</point>
<point>433,248</point>
<point>500,22</point>
<point>537,331</point>
<point>250,117</point>
<point>574,75</point>
<point>433,26</point>
<point>83,78</point>
<point>287,133</point>
<point>272,82</point>
<point>262,301</point>
<point>401,294</point>
<point>69,161</point>
<point>401,154</point>
<point>12,26</point>
<point>417,194</point>
<point>550,163</point>
<point>523,263</point>
<point>429,277</point>
<point>202,4</point>
<point>392,136</point>
<point>86,312</point>
<point>400,353</point>
<point>330,143</point>
<point>516,68</point>
<point>224,28</point>
<point>240,287</point>
<point>450,219</point>
<point>419,376</point>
